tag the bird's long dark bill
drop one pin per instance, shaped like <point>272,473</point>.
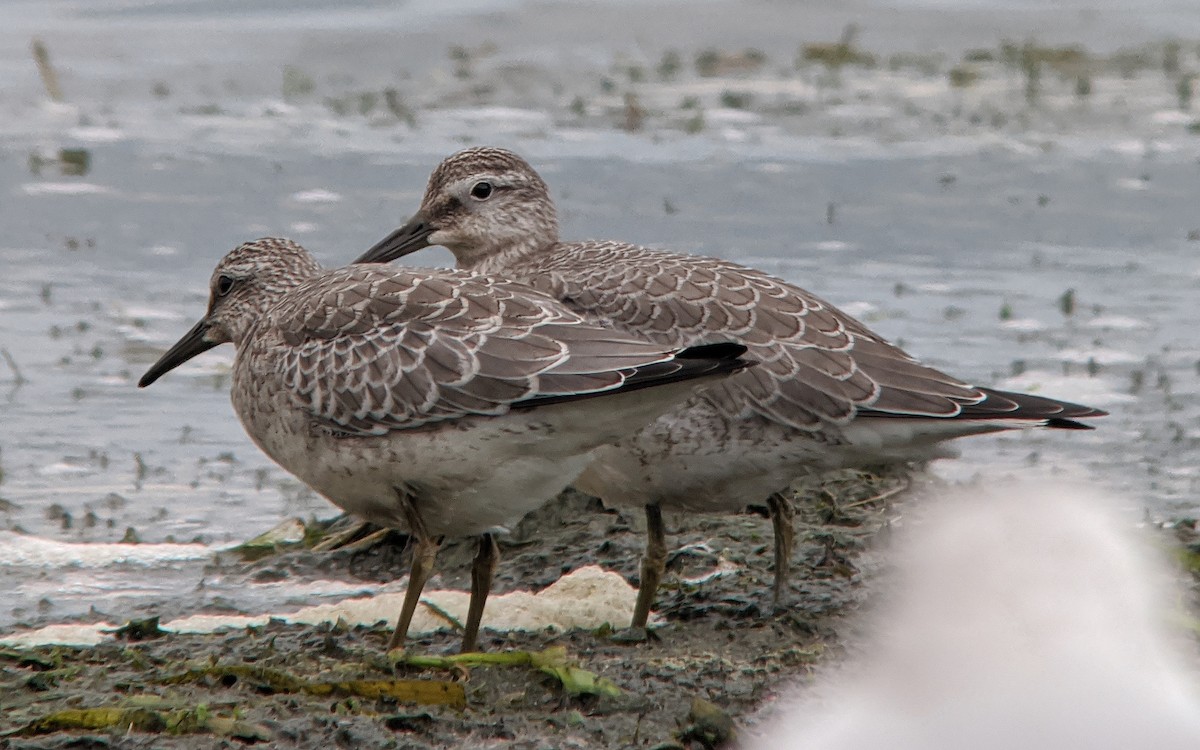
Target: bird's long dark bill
<point>192,343</point>
<point>407,239</point>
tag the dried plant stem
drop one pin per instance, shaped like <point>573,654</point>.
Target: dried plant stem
<point>49,78</point>
<point>12,365</point>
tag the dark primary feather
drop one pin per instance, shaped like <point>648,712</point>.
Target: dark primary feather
<point>1019,406</point>
<point>695,362</point>
<point>1058,414</point>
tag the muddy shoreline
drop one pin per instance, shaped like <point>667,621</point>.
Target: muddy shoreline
<point>706,677</point>
<point>718,655</point>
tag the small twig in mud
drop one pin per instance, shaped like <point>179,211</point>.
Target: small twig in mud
<point>140,470</point>
<point>904,484</point>
<point>357,531</point>
<point>370,540</point>
<point>49,78</point>
<point>443,614</point>
<point>12,365</point>
<point>634,113</point>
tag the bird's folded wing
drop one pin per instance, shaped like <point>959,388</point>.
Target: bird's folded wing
<point>816,364</point>
<point>369,350</point>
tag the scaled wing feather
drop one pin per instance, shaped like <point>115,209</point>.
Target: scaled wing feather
<point>817,365</point>
<point>421,347</point>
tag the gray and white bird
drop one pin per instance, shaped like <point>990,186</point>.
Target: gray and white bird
<point>440,402</point>
<point>827,393</point>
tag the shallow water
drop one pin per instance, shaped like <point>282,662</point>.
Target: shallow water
<point>953,221</point>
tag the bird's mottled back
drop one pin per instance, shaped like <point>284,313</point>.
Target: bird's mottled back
<point>367,350</point>
<point>820,367</point>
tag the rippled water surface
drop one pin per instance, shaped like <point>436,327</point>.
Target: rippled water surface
<point>1040,247</point>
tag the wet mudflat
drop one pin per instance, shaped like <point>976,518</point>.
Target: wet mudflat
<point>1010,196</point>
<point>719,653</point>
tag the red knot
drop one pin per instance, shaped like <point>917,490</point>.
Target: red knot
<point>441,402</point>
<point>828,392</point>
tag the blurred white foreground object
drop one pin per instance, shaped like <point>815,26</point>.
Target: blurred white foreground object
<point>1030,618</point>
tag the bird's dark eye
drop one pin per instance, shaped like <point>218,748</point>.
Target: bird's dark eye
<point>224,285</point>
<point>481,190</point>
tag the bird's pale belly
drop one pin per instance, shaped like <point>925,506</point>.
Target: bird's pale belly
<point>464,479</point>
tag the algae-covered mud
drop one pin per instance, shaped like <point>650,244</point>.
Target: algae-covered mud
<point>1008,191</point>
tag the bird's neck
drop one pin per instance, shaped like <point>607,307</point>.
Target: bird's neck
<point>498,259</point>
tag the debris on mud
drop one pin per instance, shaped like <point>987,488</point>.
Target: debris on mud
<point>716,651</point>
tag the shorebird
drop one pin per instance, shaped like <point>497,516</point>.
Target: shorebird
<point>828,392</point>
<point>440,402</point>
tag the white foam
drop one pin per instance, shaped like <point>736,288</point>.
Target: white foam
<point>1100,355</point>
<point>1172,117</point>
<point>64,188</point>
<point>61,635</point>
<point>62,468</point>
<point>1129,147</point>
<point>63,110</point>
<point>316,195</point>
<point>1117,323</point>
<point>1133,183</point>
<point>96,134</point>
<point>143,312</point>
<point>585,598</point>
<point>831,246</point>
<point>501,117</point>
<point>1023,325</point>
<point>31,551</point>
